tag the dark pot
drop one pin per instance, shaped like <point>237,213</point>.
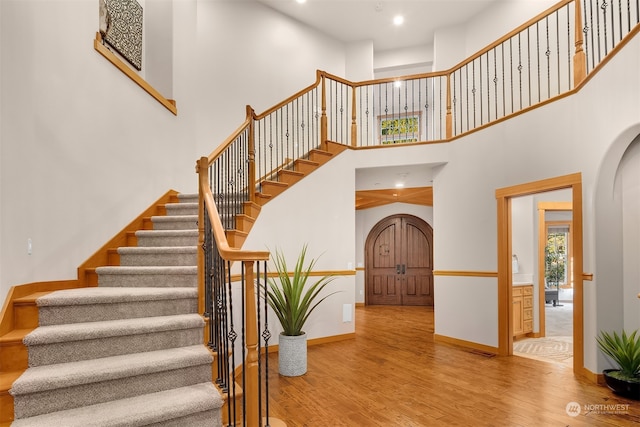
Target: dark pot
<point>622,387</point>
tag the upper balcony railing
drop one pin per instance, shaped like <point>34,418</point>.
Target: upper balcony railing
<point>545,59</point>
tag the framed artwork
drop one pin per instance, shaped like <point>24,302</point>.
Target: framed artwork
<point>400,128</point>
<point>121,28</point>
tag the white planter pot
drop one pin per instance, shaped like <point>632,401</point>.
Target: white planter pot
<point>292,355</point>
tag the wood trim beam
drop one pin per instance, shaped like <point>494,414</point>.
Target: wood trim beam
<point>169,104</point>
<point>459,273</point>
<point>463,343</point>
<point>503,196</point>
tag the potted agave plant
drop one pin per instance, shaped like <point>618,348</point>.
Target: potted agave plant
<point>624,351</point>
<point>293,300</point>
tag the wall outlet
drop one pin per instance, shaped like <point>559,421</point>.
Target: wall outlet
<point>346,313</point>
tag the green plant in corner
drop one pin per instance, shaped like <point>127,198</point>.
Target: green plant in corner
<point>287,296</point>
<point>624,350</point>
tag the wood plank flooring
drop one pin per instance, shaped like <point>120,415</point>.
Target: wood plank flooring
<point>393,374</point>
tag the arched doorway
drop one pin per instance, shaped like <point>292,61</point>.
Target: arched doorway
<point>399,262</point>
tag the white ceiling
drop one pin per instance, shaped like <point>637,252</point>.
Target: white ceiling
<point>360,20</point>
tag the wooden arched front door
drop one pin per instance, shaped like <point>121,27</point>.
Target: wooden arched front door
<point>399,262</point>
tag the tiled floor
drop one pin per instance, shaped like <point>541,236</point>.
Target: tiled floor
<point>559,333</point>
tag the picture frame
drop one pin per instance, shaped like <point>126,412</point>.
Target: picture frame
<point>400,128</point>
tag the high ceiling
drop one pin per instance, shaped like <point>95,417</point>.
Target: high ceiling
<point>359,20</point>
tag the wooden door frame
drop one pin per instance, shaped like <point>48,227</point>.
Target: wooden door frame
<point>505,309</point>
<point>378,225</point>
<point>543,224</point>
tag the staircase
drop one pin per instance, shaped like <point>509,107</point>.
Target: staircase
<point>276,184</point>
<point>128,352</point>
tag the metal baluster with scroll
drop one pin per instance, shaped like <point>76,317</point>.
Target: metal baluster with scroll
<point>526,67</point>
<point>405,109</point>
<point>285,133</point>
<point>236,348</point>
<point>603,32</point>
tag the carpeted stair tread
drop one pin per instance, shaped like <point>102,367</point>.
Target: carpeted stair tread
<point>160,407</point>
<point>106,295</point>
<point>111,303</point>
<point>111,328</point>
<point>48,377</point>
<point>148,269</point>
<point>148,276</point>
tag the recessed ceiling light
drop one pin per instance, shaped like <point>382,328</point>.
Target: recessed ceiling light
<point>398,20</point>
<point>301,1</point>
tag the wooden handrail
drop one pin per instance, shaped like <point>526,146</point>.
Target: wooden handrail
<point>226,252</point>
<point>225,144</point>
<point>580,57</point>
<point>510,34</point>
<point>169,104</point>
<point>292,97</point>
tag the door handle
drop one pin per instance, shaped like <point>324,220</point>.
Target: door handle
<point>403,268</point>
<point>398,269</point>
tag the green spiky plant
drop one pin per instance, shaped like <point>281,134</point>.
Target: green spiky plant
<point>624,350</point>
<point>287,296</point>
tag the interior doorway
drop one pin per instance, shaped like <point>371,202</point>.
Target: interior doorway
<point>548,265</point>
<point>399,262</point>
<point>504,198</point>
<point>555,266</point>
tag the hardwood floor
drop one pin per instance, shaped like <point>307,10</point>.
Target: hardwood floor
<point>393,374</point>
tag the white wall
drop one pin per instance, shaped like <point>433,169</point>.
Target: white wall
<point>500,19</point>
<point>628,180</point>
<point>402,62</point>
<point>318,211</point>
<point>158,43</point>
<point>452,45</point>
<point>449,45</point>
<point>359,61</point>
<point>524,238</point>
<point>83,150</point>
<point>250,54</point>
<point>516,152</point>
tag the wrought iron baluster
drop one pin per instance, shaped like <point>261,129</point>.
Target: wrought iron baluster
<point>520,69</point>
<point>538,59</point>
<point>231,341</point>
<point>511,70</point>
<point>529,63</point>
<point>558,48</point>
